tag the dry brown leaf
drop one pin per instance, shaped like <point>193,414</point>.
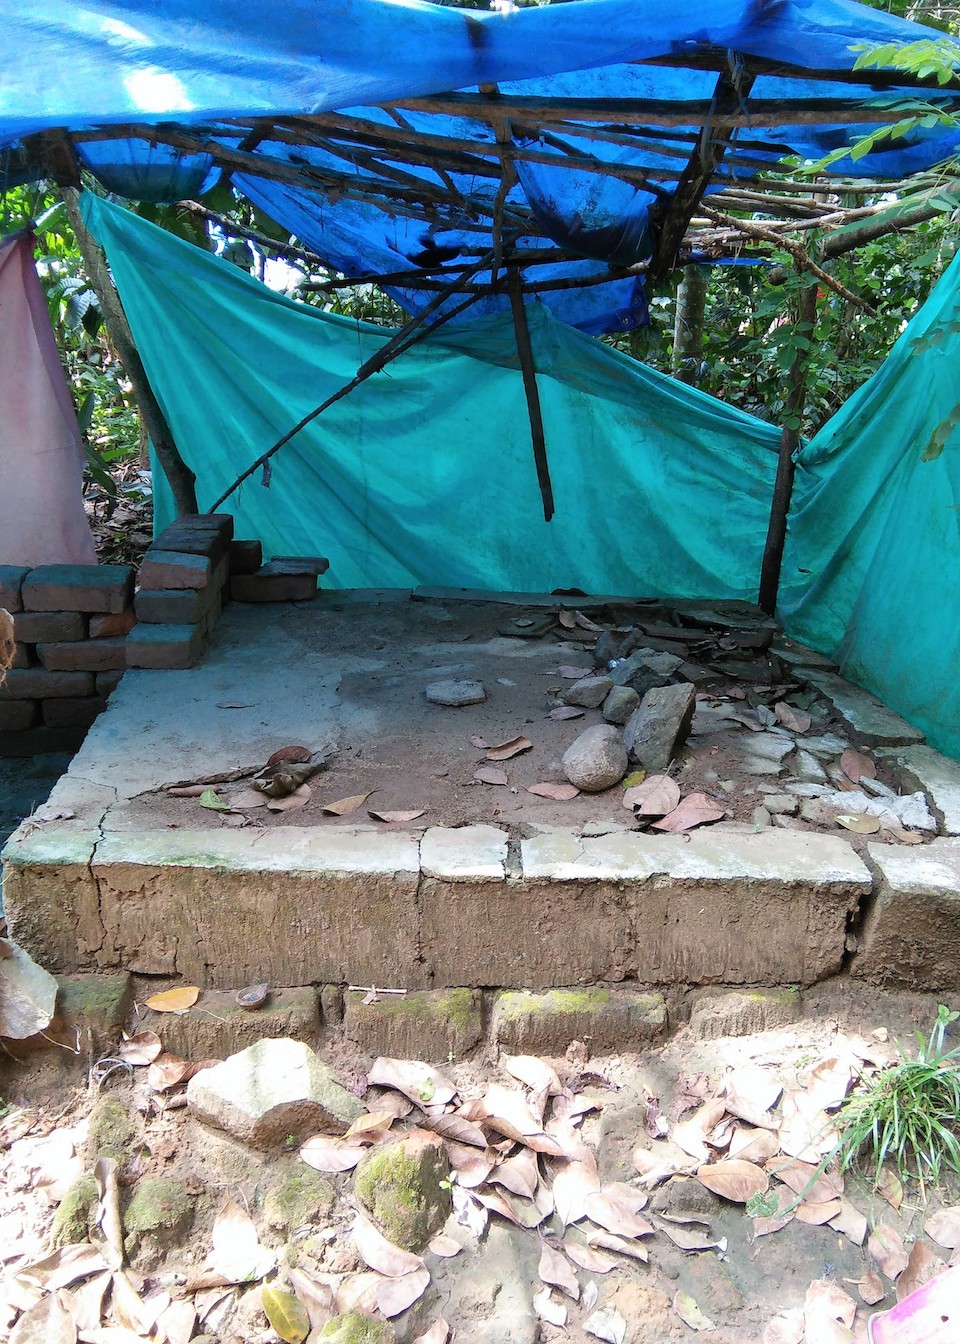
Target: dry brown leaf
<point>549,1310</point>
<point>766,1225</point>
<point>695,810</point>
<point>397,816</point>
<point>371,1120</point>
<point>299,755</point>
<point>614,1214</point>
<point>422,1084</point>
<point>785,1329</point>
<point>574,673</point>
<point>317,1298</point>
<point>567,619</point>
<point>177,1323</point>
<point>943,1227</point>
<point>587,1258</point>
<point>396,1295</point>
<point>456,1128</point>
<point>168,1071</point>
<point>859,822</point>
<point>890,1187</point>
<point>657,796</point>
<point>922,1266</point>
<point>855,765</point>
<point>815,1215</point>
<point>380,1254</point>
<point>754,1145</point>
<point>489,774</point>
<point>870,1288</point>
<point>850,1222</point>
<point>690,1134</point>
<point>444,1246</point>
<point>343,807</point>
<point>535,1073</point>
<point>471,1167</point>
<point>826,1303</point>
<point>559,793</point>
<point>793,719</point>
<point>585,623</point>
<point>480,743</point>
<point>47,1322</point>
<point>518,1211</point>
<point>886,1246</point>
<point>555,1269</point>
<point>509,1112</point>
<point>506,750</point>
<point>566,712</point>
<point>63,1267</point>
<point>688,1238</point>
<point>734,1179</point>
<point>236,1253</point>
<point>438,1333</point>
<point>179,1000</point>
<point>621,1245</point>
<point>689,1312</point>
<point>324,1153</point>
<point>808,1181</point>
<point>141,1049</point>
<point>519,1174</point>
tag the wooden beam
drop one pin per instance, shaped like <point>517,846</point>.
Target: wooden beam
<point>528,369</point>
<point>671,225</point>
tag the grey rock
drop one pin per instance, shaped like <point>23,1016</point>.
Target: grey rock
<point>806,790</point>
<point>620,704</point>
<point>825,745</point>
<point>654,731</point>
<point>771,746</point>
<point>270,1091</point>
<point>910,810</point>
<point>760,765</point>
<point>877,788</point>
<point>596,760</point>
<point>781,803</point>
<point>590,692</point>
<point>869,718</point>
<point>645,666</point>
<point>761,817</point>
<point>594,828</point>
<point>28,995</point>
<point>455,693</point>
<point>807,769</point>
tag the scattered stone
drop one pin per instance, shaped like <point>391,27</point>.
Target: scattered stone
<point>798,655</point>
<point>590,692</point>
<point>270,1091</point>
<point>28,993</point>
<point>825,745</point>
<point>802,790</point>
<point>663,720</point>
<point>909,809</point>
<point>868,717</point>
<point>604,1019</point>
<point>911,934</point>
<point>876,787</point>
<point>401,1185</point>
<point>597,759</point>
<point>759,765</point>
<point>296,1196</point>
<point>741,1013</point>
<point>761,817</point>
<point>456,694</point>
<point>355,1328</point>
<point>782,803</point>
<point>938,776</point>
<point>807,769</point>
<point>768,746</point>
<point>645,667</point>
<point>620,704</point>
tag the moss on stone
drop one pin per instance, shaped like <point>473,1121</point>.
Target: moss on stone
<point>399,1184</point>
<point>353,1328</point>
<point>515,1005</point>
<point>296,1196</point>
<point>159,1207</point>
<point>72,1220</point>
<point>455,1006</point>
<point>110,1131</point>
<point>93,998</point>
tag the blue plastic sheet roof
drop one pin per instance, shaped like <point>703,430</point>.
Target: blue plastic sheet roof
<point>398,137</point>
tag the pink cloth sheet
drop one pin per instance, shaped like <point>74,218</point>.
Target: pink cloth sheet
<point>41,456</point>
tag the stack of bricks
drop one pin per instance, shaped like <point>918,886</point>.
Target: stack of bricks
<point>286,578</point>
<point>183,579</point>
<point>69,625</point>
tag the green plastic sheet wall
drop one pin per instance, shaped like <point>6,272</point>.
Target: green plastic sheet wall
<point>425,473</point>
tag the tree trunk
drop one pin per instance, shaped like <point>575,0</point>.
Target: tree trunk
<point>688,324</point>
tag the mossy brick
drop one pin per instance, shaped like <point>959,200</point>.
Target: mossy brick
<point>11,583</point>
<point>40,741</point>
<point>220,1027</point>
<point>432,1025</point>
<point>246,557</point>
<point>404,1186</point>
<point>273,585</point>
<point>352,1327</point>
<point>742,1012</point>
<point>89,1016</point>
<point>89,655</point>
<point>86,588</point>
<point>107,682</point>
<point>169,647</point>
<point>174,569</point>
<point>112,624</point>
<point>160,1209</point>
<point>72,713</point>
<point>75,1215</point>
<point>110,1130</point>
<point>42,627</point>
<point>170,606</point>
<point>295,1196</point>
<point>604,1019</point>
<point>16,715</point>
<point>38,683</point>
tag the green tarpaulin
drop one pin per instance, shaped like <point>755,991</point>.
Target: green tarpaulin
<point>425,474</point>
<point>872,567</point>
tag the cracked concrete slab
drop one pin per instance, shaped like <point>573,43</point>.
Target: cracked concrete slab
<point>868,717</point>
<point>911,935</point>
<point>936,775</point>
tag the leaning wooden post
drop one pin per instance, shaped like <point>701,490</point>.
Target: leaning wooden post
<point>789,439</point>
<point>181,478</point>
<point>529,371</point>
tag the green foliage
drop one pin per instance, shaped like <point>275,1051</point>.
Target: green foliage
<point>910,1112</point>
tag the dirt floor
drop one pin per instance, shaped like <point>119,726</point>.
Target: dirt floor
<point>710,1268</point>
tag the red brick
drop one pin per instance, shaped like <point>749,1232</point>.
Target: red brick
<point>38,741</point>
<point>107,682</point>
<point>175,569</point>
<point>92,655</point>
<point>170,606</point>
<point>269,585</point>
<point>78,588</point>
<point>72,713</point>
<point>170,647</point>
<point>197,534</point>
<point>11,581</point>
<point>246,557</point>
<point>36,683</point>
<point>299,564</point>
<point>117,623</point>
<point>15,715</point>
<point>43,627</point>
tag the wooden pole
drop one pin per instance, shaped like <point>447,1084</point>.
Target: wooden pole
<point>688,324</point>
<point>181,478</point>
<point>529,370</point>
<point>789,439</point>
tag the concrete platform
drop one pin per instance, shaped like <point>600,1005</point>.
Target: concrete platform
<point>494,889</point>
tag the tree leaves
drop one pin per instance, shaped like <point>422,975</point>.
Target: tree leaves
<point>286,1314</point>
<point>506,750</point>
<point>855,765</point>
<point>555,1269</point>
<point>330,1155</point>
<point>380,1254</point>
<point>179,1000</point>
<point>734,1179</point>
<point>343,807</point>
<point>695,810</point>
<point>657,796</point>
<point>560,793</point>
